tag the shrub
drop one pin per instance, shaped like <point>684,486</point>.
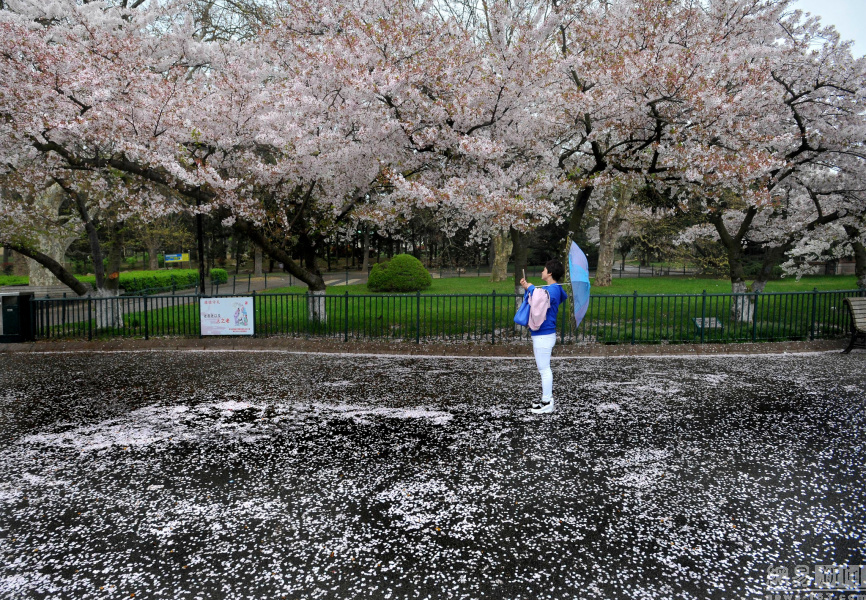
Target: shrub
<point>8,268</point>
<point>403,273</point>
<point>219,276</point>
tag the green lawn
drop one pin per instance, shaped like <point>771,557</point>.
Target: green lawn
<point>14,279</point>
<point>625,285</point>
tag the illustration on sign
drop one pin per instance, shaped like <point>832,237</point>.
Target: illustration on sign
<point>226,316</point>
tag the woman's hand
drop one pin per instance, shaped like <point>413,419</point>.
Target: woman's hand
<point>525,284</point>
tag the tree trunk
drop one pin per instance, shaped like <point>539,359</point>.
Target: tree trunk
<point>59,271</point>
<point>365,264</point>
<point>502,245</point>
<point>741,306</point>
<point>860,264</point>
<point>112,281</point>
<point>772,257</point>
<point>316,307</point>
<point>520,250</point>
<point>108,309</point>
<point>92,235</point>
<point>257,261</point>
<point>238,250</point>
<point>152,254</point>
<point>578,208</point>
<point>859,255</point>
<point>609,221</point>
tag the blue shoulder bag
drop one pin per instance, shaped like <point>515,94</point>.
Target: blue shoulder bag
<point>521,317</point>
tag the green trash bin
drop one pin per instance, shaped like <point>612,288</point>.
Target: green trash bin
<point>15,324</point>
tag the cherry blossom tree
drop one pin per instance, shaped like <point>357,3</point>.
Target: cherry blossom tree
<point>811,119</point>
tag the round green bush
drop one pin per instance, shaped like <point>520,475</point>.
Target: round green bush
<point>403,273</point>
<point>219,276</point>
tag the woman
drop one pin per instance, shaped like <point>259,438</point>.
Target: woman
<point>544,338</point>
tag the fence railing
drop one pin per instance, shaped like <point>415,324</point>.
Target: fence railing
<point>630,319</point>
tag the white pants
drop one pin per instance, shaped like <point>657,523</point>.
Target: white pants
<point>542,346</point>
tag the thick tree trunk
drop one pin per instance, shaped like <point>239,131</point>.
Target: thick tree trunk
<point>502,245</point>
<point>108,309</point>
<point>316,307</point>
<point>741,306</point>
<point>257,261</point>
<point>55,267</point>
<point>152,255</point>
<point>603,277</point>
<point>772,257</point>
<point>609,222</point>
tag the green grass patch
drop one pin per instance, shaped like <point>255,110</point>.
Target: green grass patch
<point>14,280</point>
<point>619,286</point>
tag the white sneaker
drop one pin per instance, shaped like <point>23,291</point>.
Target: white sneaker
<point>542,408</point>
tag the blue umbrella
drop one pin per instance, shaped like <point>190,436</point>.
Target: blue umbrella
<point>578,267</point>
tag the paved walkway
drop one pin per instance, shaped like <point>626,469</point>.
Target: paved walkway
<point>242,474</point>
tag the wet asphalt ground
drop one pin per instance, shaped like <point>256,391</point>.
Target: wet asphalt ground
<point>261,475</point>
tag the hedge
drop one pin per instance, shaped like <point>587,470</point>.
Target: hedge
<point>136,282</point>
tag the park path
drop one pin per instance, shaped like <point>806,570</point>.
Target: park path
<point>269,474</point>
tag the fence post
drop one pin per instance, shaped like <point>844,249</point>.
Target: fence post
<point>755,319</point>
<point>89,318</point>
<point>34,308</point>
<point>346,319</point>
<point>146,330</point>
<point>814,308</point>
<point>633,316</point>
<point>493,322</point>
<point>255,333</point>
<point>307,322</point>
<point>249,282</point>
<point>704,313</point>
<point>63,312</point>
<point>418,317</point>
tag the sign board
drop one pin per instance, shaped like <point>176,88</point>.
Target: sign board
<point>170,258</point>
<point>226,316</point>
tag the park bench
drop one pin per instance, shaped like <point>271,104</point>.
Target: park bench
<point>857,307</point>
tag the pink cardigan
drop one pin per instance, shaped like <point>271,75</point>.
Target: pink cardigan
<point>539,302</point>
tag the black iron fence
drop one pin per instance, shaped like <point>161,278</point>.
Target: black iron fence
<point>631,319</point>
